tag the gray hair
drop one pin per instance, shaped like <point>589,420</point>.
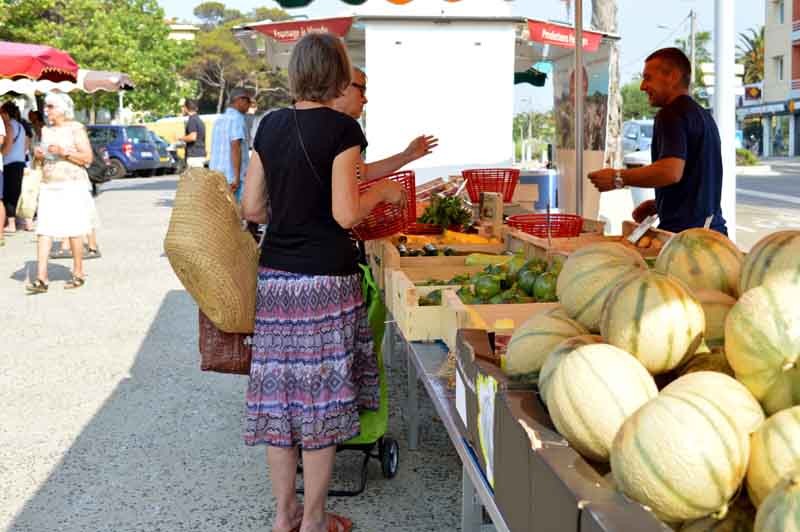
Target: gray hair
<point>319,68</point>
<point>62,102</point>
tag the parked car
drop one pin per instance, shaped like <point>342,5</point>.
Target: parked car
<point>637,135</point>
<point>130,148</point>
<point>166,155</point>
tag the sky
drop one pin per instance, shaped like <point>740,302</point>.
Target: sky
<point>645,25</point>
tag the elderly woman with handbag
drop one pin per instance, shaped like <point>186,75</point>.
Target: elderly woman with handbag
<point>64,198</point>
<point>313,364</point>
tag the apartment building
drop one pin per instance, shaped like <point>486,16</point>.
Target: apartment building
<point>769,112</point>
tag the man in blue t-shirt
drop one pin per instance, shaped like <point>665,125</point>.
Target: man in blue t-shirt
<point>687,160</point>
<point>230,142</point>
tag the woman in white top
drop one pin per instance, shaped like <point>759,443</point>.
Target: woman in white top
<point>64,198</point>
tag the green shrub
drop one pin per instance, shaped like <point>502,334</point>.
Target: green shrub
<point>745,158</point>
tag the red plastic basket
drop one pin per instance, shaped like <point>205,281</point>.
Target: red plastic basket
<point>561,225</point>
<point>502,180</point>
<point>386,219</point>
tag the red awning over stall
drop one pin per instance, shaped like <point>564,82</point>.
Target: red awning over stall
<point>292,31</point>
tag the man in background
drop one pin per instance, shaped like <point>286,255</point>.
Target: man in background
<point>230,143</point>
<point>195,136</point>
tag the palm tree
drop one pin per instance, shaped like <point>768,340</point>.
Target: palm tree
<point>751,54</point>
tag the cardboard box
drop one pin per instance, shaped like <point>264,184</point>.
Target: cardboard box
<point>543,484</point>
<point>478,380</point>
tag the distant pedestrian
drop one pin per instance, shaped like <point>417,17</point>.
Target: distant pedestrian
<point>230,141</point>
<point>4,126</point>
<point>13,163</point>
<point>65,202</point>
<point>194,137</point>
<point>37,123</point>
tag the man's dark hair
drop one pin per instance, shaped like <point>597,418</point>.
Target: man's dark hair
<point>676,59</point>
<point>190,105</point>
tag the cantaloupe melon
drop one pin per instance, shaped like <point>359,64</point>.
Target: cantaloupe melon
<point>740,518</point>
<point>533,340</point>
<point>716,306</point>
<point>780,511</point>
<point>702,258</point>
<point>762,343</point>
<point>775,255</point>
<point>708,361</point>
<point>557,355</point>
<point>681,456</point>
<point>726,392</point>
<point>655,318</point>
<point>774,453</point>
<point>589,275</point>
<point>593,391</point>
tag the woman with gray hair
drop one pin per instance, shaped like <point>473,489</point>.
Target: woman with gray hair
<point>313,365</point>
<point>64,198</point>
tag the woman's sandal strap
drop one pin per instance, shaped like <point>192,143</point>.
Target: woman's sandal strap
<point>75,282</point>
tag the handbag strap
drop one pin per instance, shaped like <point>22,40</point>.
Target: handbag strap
<point>305,152</point>
<point>303,146</point>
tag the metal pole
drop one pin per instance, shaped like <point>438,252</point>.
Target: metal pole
<point>725,105</point>
<point>119,111</point>
<point>579,103</point>
<point>692,46</point>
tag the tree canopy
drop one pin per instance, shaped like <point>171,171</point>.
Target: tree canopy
<point>635,104</point>
<point>750,53</point>
<point>119,35</point>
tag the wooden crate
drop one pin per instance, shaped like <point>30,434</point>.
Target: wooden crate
<point>442,322</point>
<point>383,257</point>
<point>534,246</point>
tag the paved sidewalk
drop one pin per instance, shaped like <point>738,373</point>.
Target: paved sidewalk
<point>107,424</point>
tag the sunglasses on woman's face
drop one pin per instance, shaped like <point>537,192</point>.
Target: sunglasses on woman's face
<point>360,87</point>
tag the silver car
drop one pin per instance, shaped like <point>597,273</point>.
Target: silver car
<point>637,135</point>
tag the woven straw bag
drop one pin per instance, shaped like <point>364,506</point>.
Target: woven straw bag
<point>210,252</point>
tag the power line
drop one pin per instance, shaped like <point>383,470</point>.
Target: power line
<point>674,32</point>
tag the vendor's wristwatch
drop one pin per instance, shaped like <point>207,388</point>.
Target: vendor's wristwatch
<point>618,181</point>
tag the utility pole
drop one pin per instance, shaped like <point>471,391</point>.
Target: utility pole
<point>692,45</point>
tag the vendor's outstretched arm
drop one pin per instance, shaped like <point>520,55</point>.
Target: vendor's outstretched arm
<point>417,148</point>
<point>661,173</point>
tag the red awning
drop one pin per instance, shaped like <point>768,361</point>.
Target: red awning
<point>33,61</point>
<point>289,32</point>
<point>562,36</point>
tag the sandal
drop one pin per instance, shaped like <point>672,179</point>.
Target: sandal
<point>37,287</point>
<point>75,282</point>
<point>91,253</point>
<point>338,523</point>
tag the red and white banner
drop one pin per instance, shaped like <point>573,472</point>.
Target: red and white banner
<point>289,32</point>
<point>562,36</point>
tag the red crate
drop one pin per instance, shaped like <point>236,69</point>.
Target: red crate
<point>387,219</point>
<point>502,180</point>
<point>561,225</point>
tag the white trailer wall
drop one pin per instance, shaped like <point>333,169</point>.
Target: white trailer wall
<point>456,82</point>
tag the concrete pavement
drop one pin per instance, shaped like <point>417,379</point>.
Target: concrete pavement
<point>108,424</point>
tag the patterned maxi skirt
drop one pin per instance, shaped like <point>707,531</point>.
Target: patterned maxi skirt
<point>313,365</point>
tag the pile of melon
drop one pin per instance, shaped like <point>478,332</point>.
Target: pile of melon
<point>669,373</point>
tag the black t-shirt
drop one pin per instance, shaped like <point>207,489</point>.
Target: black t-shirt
<point>302,235</point>
<point>685,130</point>
<point>198,147</point>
